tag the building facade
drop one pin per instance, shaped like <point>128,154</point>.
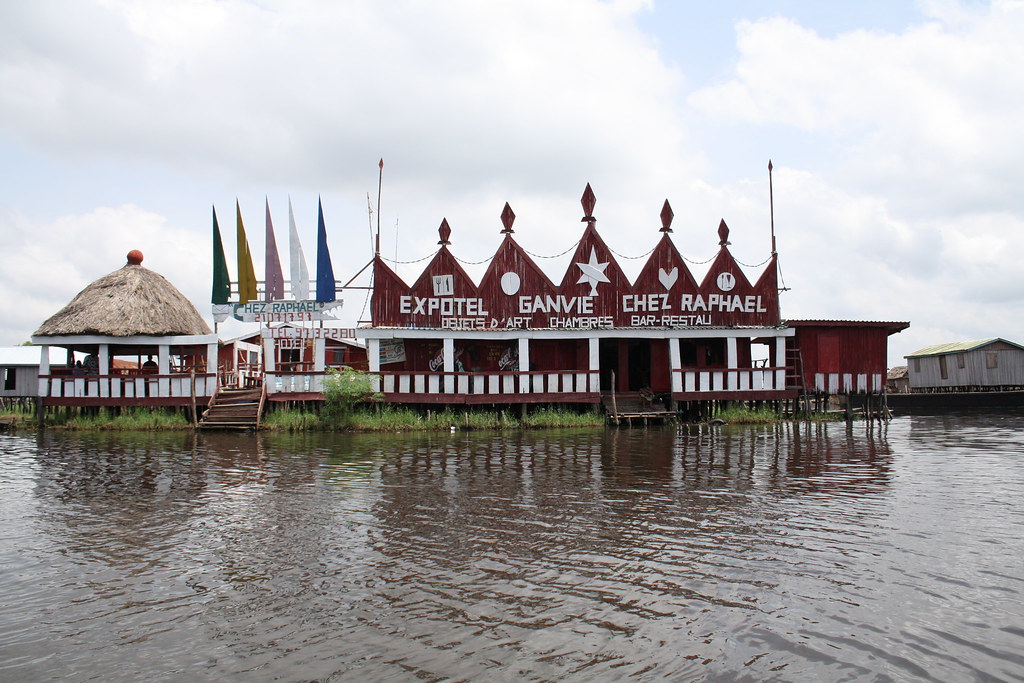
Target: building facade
<point>992,364</point>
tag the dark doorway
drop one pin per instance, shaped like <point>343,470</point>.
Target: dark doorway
<point>639,356</point>
<point>608,359</point>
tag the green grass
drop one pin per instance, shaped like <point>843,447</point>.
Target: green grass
<point>744,415</point>
<point>389,418</point>
<point>292,421</point>
<point>131,419</point>
<point>562,418</point>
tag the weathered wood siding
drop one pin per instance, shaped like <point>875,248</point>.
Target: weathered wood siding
<point>843,357</point>
<point>927,372</point>
<point>19,381</point>
<point>594,292</point>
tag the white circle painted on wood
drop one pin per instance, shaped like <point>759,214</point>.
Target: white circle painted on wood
<point>510,283</point>
<point>726,281</point>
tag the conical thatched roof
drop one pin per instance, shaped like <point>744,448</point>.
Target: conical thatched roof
<point>130,301</point>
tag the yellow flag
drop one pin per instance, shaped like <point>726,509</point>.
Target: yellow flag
<point>246,273</point>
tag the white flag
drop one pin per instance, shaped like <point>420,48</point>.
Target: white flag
<point>299,272</point>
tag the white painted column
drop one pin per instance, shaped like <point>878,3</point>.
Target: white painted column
<point>164,367</point>
<point>675,363</point>
<point>373,356</point>
<point>269,364</point>
<point>104,371</point>
<point>209,384</point>
<point>525,381</point>
<point>269,357</point>
<point>780,362</point>
<point>319,354</point>
<point>44,369</point>
<point>315,381</point>
<point>594,357</point>
<point>448,354</point>
<point>731,362</point>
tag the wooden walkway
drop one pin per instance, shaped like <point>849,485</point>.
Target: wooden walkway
<point>628,410</point>
<point>234,409</point>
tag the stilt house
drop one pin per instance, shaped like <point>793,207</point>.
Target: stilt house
<point>132,314</point>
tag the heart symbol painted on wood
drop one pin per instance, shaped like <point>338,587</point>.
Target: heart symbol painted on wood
<point>668,279</point>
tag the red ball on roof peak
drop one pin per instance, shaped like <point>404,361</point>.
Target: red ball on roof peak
<point>134,257</point>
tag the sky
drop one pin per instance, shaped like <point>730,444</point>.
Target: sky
<point>894,130</point>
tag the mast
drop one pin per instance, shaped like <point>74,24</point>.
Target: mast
<point>380,178</point>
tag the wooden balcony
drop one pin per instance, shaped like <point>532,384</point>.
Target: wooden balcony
<point>722,384</point>
<point>453,387</point>
<point>124,389</point>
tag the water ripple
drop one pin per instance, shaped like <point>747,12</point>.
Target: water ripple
<point>770,553</point>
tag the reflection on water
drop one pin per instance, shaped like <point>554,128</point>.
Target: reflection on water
<point>770,553</point>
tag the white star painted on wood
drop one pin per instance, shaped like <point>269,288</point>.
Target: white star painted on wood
<point>593,272</point>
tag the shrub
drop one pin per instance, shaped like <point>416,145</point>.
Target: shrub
<point>347,387</point>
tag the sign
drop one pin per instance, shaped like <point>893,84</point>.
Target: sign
<point>594,292</point>
<point>337,333</point>
<point>284,311</point>
<point>392,351</point>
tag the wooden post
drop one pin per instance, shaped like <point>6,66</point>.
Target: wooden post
<point>615,409</point>
<point>195,418</point>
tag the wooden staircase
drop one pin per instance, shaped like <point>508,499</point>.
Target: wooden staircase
<point>234,408</point>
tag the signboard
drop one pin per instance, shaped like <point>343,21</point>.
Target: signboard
<point>594,293</point>
<point>284,311</point>
<point>392,351</point>
<point>296,332</point>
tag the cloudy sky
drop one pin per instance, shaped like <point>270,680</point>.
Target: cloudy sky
<point>894,129</point>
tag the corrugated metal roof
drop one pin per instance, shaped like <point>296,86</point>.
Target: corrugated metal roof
<point>894,325</point>
<point>11,356</point>
<point>958,347</point>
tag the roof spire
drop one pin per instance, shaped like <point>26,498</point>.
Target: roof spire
<point>507,219</point>
<point>444,232</point>
<point>588,201</point>
<point>666,217</point>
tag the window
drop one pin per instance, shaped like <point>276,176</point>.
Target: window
<point>9,379</point>
<point>943,372</point>
<point>960,361</point>
<point>991,360</point>
<point>917,365</point>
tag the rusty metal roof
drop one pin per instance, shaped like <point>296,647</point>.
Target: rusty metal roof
<point>958,347</point>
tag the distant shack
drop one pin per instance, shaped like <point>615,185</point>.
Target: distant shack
<point>993,364</point>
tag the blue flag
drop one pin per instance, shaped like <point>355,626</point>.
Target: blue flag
<point>324,269</point>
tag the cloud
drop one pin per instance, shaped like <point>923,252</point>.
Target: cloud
<point>895,185</point>
<point>461,94</point>
<point>40,276</point>
<point>927,115</point>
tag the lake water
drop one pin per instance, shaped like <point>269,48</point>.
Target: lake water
<point>786,552</point>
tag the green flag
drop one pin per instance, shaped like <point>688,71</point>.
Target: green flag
<point>221,278</point>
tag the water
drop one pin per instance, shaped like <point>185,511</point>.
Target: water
<point>769,553</point>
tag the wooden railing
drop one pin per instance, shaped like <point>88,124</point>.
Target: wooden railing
<point>495,383</point>
<point>441,383</point>
<point>848,383</point>
<point>708,380</point>
<point>121,386</point>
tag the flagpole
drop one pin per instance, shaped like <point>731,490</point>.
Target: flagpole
<point>380,179</point>
<point>771,205</point>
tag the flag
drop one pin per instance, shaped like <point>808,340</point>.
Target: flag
<point>299,271</point>
<point>246,274</point>
<point>221,278</point>
<point>324,270</point>
<point>275,278</point>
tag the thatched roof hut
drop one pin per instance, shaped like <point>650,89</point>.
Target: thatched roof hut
<point>131,301</point>
<point>130,314</point>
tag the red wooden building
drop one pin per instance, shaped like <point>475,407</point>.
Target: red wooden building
<point>841,356</point>
<point>520,337</point>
